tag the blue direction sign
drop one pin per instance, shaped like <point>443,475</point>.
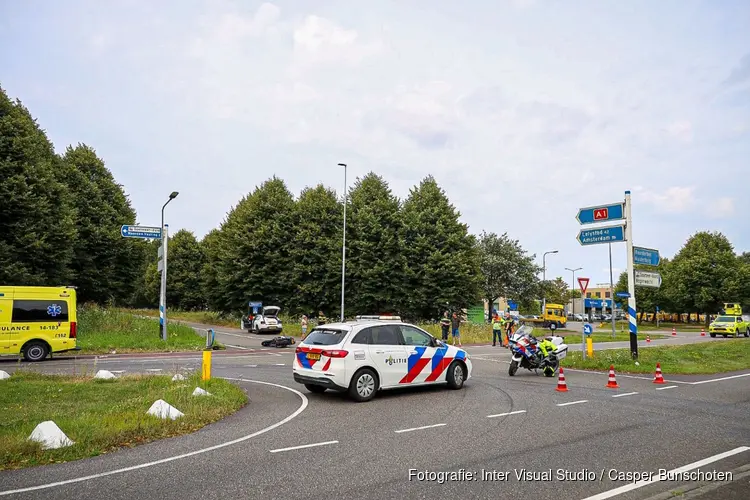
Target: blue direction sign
<point>587,329</point>
<point>601,235</point>
<point>624,295</point>
<point>140,232</point>
<point>603,213</point>
<point>646,256</point>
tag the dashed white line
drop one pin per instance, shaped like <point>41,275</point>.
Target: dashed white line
<point>506,414</point>
<point>719,379</point>
<point>674,472</point>
<point>280,364</point>
<point>622,395</point>
<point>251,366</point>
<point>237,347</point>
<point>667,387</point>
<point>419,428</point>
<point>574,402</point>
<point>303,446</point>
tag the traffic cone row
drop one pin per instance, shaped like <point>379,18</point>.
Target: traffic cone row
<point>562,386</point>
<point>648,339</point>
<point>674,332</point>
<point>703,332</point>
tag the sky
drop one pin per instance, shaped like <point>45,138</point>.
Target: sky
<point>524,111</point>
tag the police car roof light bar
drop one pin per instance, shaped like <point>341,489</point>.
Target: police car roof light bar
<point>380,318</point>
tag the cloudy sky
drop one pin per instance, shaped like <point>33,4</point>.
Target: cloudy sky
<point>523,110</point>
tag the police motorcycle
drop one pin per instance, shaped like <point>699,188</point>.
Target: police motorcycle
<point>528,353</point>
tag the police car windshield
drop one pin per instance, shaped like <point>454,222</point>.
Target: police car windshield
<point>726,319</point>
<point>324,336</point>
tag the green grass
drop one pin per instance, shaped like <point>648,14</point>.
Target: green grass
<point>691,359</point>
<point>102,415</point>
<point>575,338</point>
<point>201,317</point>
<point>102,330</point>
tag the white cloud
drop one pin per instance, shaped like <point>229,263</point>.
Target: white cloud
<point>681,130</point>
<point>674,200</point>
<point>721,207</point>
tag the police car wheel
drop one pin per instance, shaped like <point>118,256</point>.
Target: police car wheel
<point>364,385</point>
<point>35,351</point>
<point>456,375</point>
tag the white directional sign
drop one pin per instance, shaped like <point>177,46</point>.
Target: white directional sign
<point>648,279</point>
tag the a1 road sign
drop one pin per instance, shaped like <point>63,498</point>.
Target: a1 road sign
<point>584,284</point>
<point>603,213</point>
<point>140,232</point>
<point>648,279</point>
<point>646,256</point>
<point>607,234</point>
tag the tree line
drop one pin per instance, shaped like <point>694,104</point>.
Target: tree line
<point>704,275</point>
<point>61,219</point>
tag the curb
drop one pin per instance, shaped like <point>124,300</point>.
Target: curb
<point>171,354</point>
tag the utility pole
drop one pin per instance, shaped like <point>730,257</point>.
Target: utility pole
<point>544,280</point>
<point>612,293</point>
<point>573,299</point>
<point>163,268</point>
<point>631,277</point>
<point>343,247</point>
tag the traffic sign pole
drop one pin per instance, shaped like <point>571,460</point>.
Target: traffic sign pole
<point>631,277</point>
<point>163,295</point>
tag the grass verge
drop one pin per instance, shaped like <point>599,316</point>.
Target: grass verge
<point>691,359</point>
<point>201,317</point>
<point>102,415</point>
<point>575,338</point>
<point>103,330</point>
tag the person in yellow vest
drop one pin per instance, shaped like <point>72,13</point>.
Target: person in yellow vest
<point>497,329</point>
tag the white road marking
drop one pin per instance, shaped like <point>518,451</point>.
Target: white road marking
<point>238,347</point>
<point>626,394</point>
<point>506,414</point>
<point>657,476</point>
<point>303,446</point>
<point>251,366</point>
<point>650,379</point>
<point>718,379</point>
<point>153,369</point>
<point>667,387</point>
<point>279,364</point>
<point>420,428</point>
<point>574,402</point>
<point>184,455</point>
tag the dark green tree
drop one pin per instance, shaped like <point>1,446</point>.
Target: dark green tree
<point>442,260</point>
<point>255,261</point>
<point>648,299</point>
<point>37,216</point>
<point>507,270</point>
<point>375,264</point>
<point>556,291</point>
<point>184,265</point>
<point>705,274</point>
<point>210,245</point>
<point>105,265</point>
<point>316,252</point>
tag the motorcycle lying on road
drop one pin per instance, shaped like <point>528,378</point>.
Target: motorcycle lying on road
<point>529,353</point>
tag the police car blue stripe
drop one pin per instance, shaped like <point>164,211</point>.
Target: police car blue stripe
<point>438,357</point>
<point>415,357</point>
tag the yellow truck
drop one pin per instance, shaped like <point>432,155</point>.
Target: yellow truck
<point>37,321</point>
<point>553,318</point>
<point>730,322</point>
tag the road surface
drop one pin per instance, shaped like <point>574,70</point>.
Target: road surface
<point>288,443</point>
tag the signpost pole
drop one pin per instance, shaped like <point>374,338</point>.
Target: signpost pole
<point>612,293</point>
<point>631,277</point>
<point>583,342</point>
<point>163,295</point>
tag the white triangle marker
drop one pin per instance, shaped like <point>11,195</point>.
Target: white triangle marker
<point>104,374</point>
<point>177,377</point>
<point>50,436</point>
<point>162,409</point>
<point>4,375</point>
<point>200,392</point>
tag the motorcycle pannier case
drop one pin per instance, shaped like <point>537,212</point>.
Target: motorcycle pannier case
<point>562,352</point>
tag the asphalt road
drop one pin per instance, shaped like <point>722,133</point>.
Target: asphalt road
<point>495,427</point>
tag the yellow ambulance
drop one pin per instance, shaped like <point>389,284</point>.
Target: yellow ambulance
<point>37,321</point>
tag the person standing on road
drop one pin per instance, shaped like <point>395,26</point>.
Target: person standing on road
<point>445,324</point>
<point>304,326</point>
<point>508,327</point>
<point>497,329</point>
<point>456,324</point>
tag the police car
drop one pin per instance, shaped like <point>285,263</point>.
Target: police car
<point>376,352</point>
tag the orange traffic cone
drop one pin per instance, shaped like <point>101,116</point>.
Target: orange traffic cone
<point>674,331</point>
<point>703,332</point>
<point>658,379</point>
<point>561,385</point>
<point>648,339</point>
<point>612,383</point>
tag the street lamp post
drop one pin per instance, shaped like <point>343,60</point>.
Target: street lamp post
<point>343,247</point>
<point>544,279</point>
<point>573,299</point>
<point>163,294</point>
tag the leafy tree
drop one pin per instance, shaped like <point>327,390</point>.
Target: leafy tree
<point>316,251</point>
<point>105,265</point>
<point>507,270</point>
<point>37,217</point>
<point>745,258</point>
<point>210,248</point>
<point>442,258</point>
<point>556,291</point>
<point>254,251</point>
<point>647,299</point>
<point>705,274</point>
<point>184,266</point>
<point>375,265</point>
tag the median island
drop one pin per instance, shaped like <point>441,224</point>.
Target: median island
<point>703,358</point>
<point>102,415</point>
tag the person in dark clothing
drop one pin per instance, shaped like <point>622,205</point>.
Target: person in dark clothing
<point>456,324</point>
<point>445,324</point>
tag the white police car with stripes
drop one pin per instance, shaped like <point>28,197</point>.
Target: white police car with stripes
<point>376,352</point>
